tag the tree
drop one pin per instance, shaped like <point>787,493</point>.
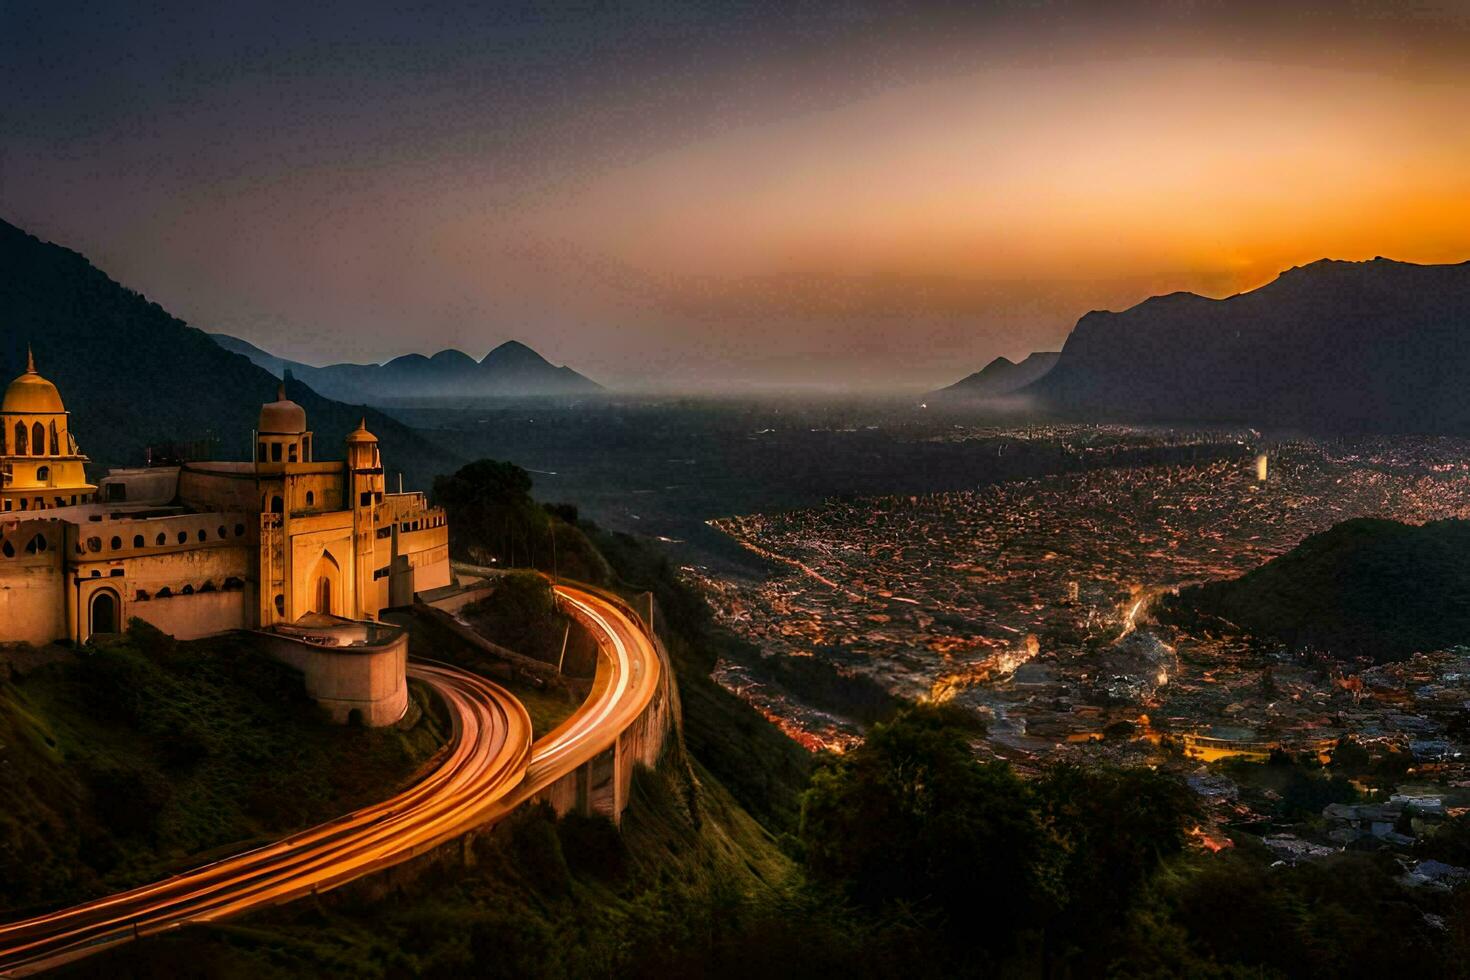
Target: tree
<point>1113,827</point>
<point>491,514</point>
<point>521,614</point>
<point>910,819</point>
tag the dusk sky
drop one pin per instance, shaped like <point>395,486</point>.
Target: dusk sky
<point>706,196</point>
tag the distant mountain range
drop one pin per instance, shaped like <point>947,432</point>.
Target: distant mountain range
<point>1377,346</point>
<point>133,376</point>
<point>511,370</point>
<point>1001,377</point>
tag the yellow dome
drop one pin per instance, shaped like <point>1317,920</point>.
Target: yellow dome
<point>361,433</point>
<point>32,394</point>
<point>282,416</point>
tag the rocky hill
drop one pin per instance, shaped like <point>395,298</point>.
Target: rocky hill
<point>1367,587</point>
<point>1001,376</point>
<point>134,376</point>
<point>511,370</point>
<point>1376,346</point>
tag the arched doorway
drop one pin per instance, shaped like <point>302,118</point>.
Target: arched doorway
<point>325,583</point>
<point>104,617</point>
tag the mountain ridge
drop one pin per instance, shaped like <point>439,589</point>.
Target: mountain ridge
<point>1001,376</point>
<point>509,370</point>
<point>1372,345</point>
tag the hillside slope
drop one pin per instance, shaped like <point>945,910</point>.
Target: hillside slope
<point>1379,346</point>
<point>1366,587</point>
<point>133,376</point>
<point>125,763</point>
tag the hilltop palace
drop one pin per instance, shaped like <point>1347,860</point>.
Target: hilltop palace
<point>201,548</point>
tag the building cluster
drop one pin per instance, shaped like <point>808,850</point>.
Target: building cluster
<point>201,547</point>
<point>1028,601</point>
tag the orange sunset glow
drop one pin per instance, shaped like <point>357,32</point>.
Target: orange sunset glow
<point>976,185</point>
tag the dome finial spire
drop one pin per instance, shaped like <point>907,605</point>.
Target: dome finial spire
<point>30,360</point>
<point>281,392</point>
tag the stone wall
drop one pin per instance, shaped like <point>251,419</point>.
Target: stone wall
<point>32,586</point>
<point>189,617</point>
<point>369,680</point>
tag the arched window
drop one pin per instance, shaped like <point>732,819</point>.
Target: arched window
<point>239,530</point>
<point>207,587</point>
<point>55,441</point>
<point>233,584</point>
<point>7,549</point>
<point>187,590</point>
<point>280,604</point>
<point>277,505</point>
<point>203,535</point>
<point>116,543</point>
<point>137,541</point>
<point>323,595</point>
<point>221,531</point>
<point>20,439</point>
<point>43,473</point>
<point>161,539</point>
<point>141,595</point>
<point>38,440</point>
<point>94,544</point>
<point>183,537</point>
<point>310,498</point>
<point>38,545</point>
<point>165,593</point>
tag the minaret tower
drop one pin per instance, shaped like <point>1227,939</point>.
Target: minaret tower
<point>365,483</point>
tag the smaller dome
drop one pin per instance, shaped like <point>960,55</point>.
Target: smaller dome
<point>361,433</point>
<point>282,416</point>
<point>32,394</point>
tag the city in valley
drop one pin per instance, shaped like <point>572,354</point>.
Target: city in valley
<point>720,490</point>
<point>1030,603</point>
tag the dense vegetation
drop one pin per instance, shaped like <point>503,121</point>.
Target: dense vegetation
<point>128,761</point>
<point>913,859</point>
<point>495,521</point>
<point>1367,587</point>
<point>521,614</point>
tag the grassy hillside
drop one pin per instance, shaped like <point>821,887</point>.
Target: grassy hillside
<point>127,763</point>
<point>1370,588</point>
<point>134,376</point>
<point>540,898</point>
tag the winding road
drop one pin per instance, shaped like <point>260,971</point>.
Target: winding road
<point>489,767</point>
